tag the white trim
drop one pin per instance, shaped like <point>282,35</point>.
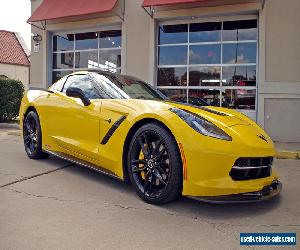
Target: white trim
<point>81,69</point>
<point>218,87</point>
<point>205,65</point>
<point>85,50</point>
<point>86,30</point>
<point>208,19</point>
<point>208,43</point>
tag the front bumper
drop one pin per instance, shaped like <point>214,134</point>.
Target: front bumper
<point>265,193</point>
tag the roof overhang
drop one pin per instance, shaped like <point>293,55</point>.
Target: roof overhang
<point>57,11</point>
<point>153,6</point>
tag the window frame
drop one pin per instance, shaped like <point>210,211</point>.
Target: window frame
<point>84,30</point>
<point>221,87</point>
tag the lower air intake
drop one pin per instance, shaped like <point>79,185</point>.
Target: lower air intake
<point>251,168</point>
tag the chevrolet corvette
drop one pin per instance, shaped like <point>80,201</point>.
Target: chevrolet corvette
<point>123,127</point>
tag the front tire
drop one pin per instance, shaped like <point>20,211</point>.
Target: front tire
<point>32,136</point>
<point>154,164</point>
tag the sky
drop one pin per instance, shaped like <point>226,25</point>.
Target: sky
<point>14,14</point>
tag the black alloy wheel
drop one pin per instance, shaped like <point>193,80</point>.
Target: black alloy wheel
<point>154,164</point>
<point>32,136</point>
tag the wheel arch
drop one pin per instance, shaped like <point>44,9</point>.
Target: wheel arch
<point>129,136</point>
<point>30,108</point>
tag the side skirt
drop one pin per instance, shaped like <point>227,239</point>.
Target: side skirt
<point>83,164</point>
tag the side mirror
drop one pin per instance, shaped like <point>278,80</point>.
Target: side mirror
<point>78,93</point>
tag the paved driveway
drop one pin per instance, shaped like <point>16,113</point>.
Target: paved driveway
<point>52,204</point>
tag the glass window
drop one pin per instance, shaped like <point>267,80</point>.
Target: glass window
<point>57,86</point>
<point>84,83</point>
<point>239,98</point>
<point>63,42</point>
<point>172,55</point>
<point>86,59</point>
<point>205,54</point>
<point>221,56</point>
<point>209,96</point>
<point>239,53</point>
<point>177,95</point>
<point>124,87</point>
<point>172,76</point>
<point>204,76</point>
<point>89,50</point>
<point>56,75</point>
<point>110,59</point>
<point>240,30</point>
<point>205,32</point>
<point>110,39</point>
<point>171,34</point>
<point>239,75</point>
<point>63,60</point>
<point>86,40</point>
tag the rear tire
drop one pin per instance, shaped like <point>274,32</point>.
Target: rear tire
<point>154,164</point>
<point>32,136</point>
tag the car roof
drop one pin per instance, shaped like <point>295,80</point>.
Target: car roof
<point>107,73</point>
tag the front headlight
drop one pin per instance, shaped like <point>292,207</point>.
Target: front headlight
<point>201,125</point>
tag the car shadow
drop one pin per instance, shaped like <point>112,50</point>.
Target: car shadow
<point>225,211</point>
<point>183,205</point>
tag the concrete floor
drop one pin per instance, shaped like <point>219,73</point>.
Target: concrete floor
<point>51,204</point>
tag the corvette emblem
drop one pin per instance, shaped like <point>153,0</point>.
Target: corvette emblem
<point>263,138</point>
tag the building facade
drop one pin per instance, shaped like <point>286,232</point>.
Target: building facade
<point>240,54</point>
<point>14,62</point>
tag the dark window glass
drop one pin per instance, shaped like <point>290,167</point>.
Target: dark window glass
<point>86,59</point>
<point>239,98</point>
<point>109,59</point>
<point>209,96</point>
<point>63,42</point>
<point>205,32</point>
<point>240,30</point>
<point>57,86</point>
<point>84,83</point>
<point>172,55</point>
<point>56,75</point>
<point>239,75</point>
<point>172,77</point>
<point>86,40</point>
<point>177,95</point>
<point>63,60</point>
<point>204,76</point>
<point>110,39</point>
<point>205,54</point>
<point>239,53</point>
<point>124,87</point>
<point>170,34</point>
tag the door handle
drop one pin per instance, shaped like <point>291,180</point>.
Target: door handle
<point>108,120</point>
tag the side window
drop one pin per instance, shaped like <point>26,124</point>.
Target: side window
<point>84,83</point>
<point>57,86</point>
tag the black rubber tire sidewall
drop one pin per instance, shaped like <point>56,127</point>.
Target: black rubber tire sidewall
<point>38,153</point>
<point>174,187</point>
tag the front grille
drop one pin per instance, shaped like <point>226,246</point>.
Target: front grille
<point>251,168</point>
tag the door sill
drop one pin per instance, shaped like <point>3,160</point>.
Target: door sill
<point>83,163</point>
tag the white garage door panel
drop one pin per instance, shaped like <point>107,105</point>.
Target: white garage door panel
<point>282,119</point>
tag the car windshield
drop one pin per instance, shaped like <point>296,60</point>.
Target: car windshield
<point>125,87</point>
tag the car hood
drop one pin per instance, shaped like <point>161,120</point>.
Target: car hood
<point>221,116</point>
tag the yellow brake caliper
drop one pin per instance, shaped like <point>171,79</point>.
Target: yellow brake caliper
<point>142,157</point>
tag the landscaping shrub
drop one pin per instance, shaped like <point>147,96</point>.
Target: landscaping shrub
<point>11,93</point>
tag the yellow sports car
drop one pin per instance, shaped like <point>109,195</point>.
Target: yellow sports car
<point>123,127</point>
